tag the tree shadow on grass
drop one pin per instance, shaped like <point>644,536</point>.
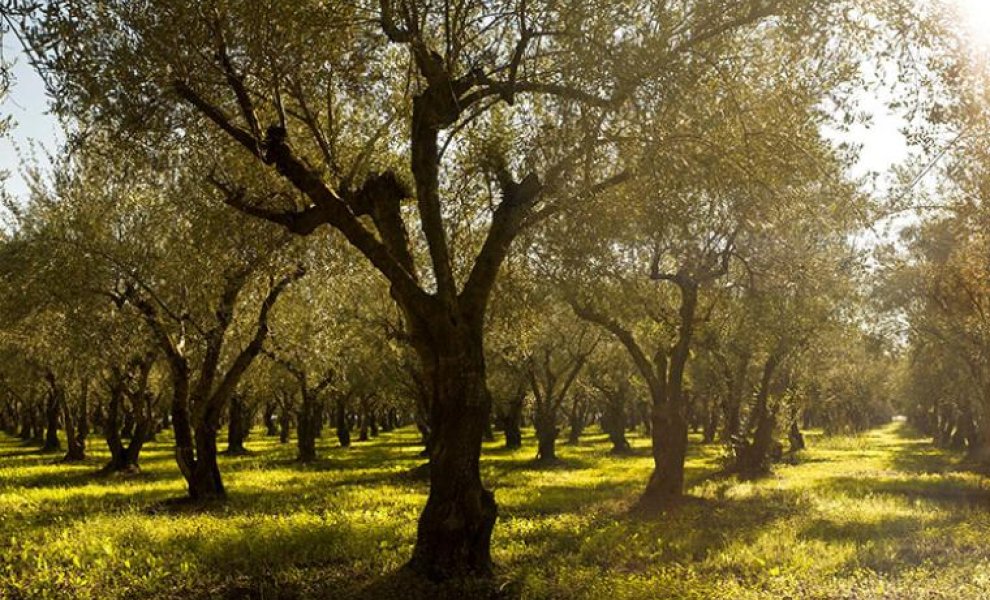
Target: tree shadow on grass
<point>949,492</point>
<point>407,586</point>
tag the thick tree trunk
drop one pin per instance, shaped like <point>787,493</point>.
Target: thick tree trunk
<point>670,442</point>
<point>511,422</point>
<point>237,427</point>
<point>669,415</point>
<point>307,427</point>
<point>614,420</point>
<point>204,481</point>
<point>455,528</point>
<point>545,422</point>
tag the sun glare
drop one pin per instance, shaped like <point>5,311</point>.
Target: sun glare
<point>975,17</point>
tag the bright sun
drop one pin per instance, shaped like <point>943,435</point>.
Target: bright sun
<point>975,15</point>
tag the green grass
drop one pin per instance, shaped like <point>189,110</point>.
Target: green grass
<point>881,515</point>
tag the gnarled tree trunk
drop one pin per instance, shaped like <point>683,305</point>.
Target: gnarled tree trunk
<point>455,528</point>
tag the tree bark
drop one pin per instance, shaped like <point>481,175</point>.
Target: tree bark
<point>576,420</point>
<point>308,426</point>
<point>754,457</point>
<point>511,421</point>
<point>76,426</point>
<point>340,418</point>
<point>614,419</point>
<point>238,426</point>
<point>545,423</point>
<point>53,404</point>
<point>455,528</point>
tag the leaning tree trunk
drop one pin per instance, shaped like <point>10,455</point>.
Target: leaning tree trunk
<point>454,533</point>
<point>754,457</point>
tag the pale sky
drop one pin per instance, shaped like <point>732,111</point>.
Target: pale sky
<point>884,146</point>
<point>27,105</point>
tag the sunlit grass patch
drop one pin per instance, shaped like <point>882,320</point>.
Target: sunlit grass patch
<point>875,516</point>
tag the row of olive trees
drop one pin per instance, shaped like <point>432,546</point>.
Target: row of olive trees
<point>658,167</point>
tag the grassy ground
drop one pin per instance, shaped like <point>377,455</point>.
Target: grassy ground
<point>876,516</point>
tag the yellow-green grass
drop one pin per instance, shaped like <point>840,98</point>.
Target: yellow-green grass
<point>880,515</point>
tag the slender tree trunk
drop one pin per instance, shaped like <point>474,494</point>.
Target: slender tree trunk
<point>284,425</point>
<point>363,432</point>
<point>341,425</point>
<point>52,406</point>
<point>27,425</point>
<point>795,437</point>
<point>271,425</point>
<point>372,423</point>
<point>576,420</point>
<point>77,427</point>
<point>711,419</point>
